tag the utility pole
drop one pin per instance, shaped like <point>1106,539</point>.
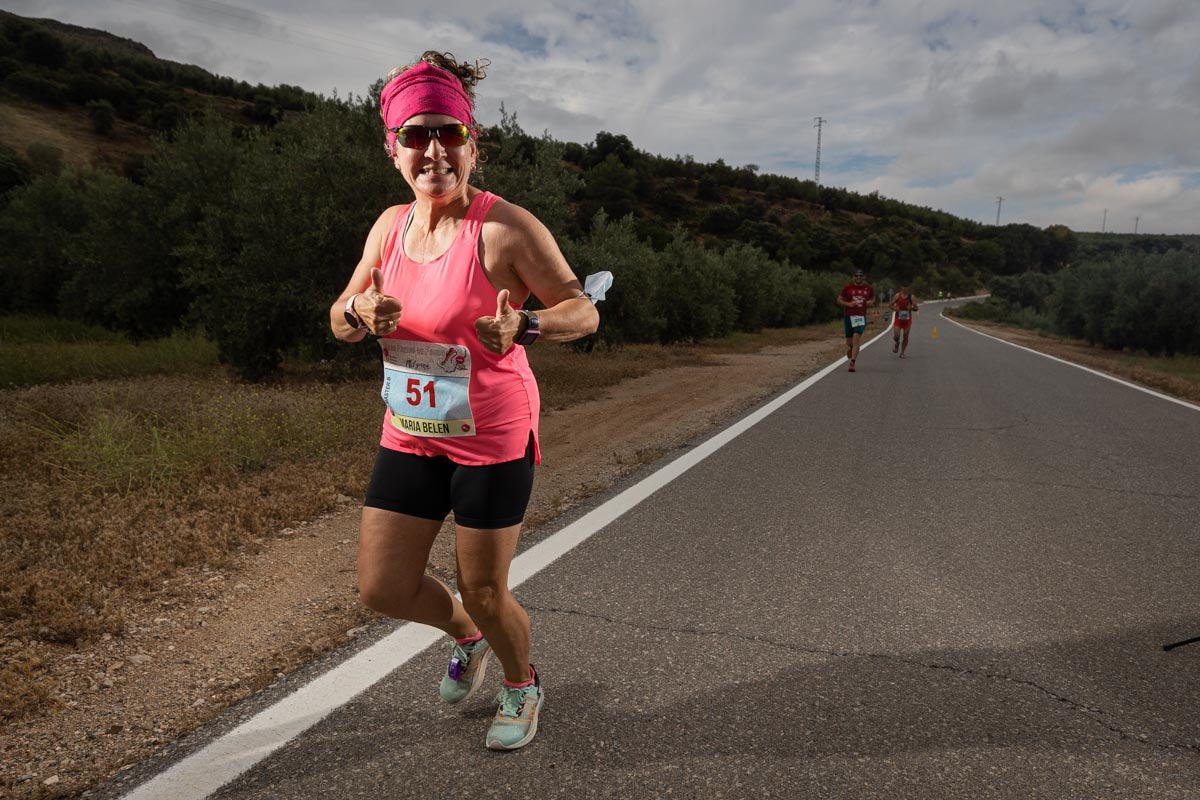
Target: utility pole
<point>1104,221</point>
<point>817,123</point>
<point>1135,224</point>
<point>999,202</point>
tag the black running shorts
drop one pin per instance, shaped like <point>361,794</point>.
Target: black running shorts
<point>429,487</point>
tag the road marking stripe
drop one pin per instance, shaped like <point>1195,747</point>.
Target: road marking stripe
<point>224,759</point>
<point>1112,378</point>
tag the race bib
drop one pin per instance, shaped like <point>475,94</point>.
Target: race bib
<point>902,314</point>
<point>428,387</point>
<point>857,321</point>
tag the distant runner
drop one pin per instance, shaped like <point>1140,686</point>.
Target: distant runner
<point>854,300</point>
<point>904,305</point>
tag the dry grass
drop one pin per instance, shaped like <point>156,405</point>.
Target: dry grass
<point>35,350</point>
<point>69,128</point>
<point>566,376</point>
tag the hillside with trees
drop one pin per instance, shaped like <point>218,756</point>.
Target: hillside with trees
<point>196,201</point>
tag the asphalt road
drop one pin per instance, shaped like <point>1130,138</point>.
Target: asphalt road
<point>947,576</point>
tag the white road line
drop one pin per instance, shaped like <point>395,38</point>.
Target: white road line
<point>1104,375</point>
<point>222,760</point>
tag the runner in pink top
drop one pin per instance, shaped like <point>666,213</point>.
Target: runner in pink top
<point>443,283</point>
<point>442,299</point>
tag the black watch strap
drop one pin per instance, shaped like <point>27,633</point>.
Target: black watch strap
<point>532,330</point>
<point>351,313</point>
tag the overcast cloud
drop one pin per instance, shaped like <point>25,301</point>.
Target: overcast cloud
<point>1065,108</point>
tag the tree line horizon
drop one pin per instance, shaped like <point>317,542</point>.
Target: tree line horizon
<point>275,188</point>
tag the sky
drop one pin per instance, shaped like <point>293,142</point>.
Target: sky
<point>1079,112</point>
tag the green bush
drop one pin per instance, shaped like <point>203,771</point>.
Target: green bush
<point>633,309</point>
<point>527,171</point>
<point>37,225</point>
<point>992,309</point>
<point>35,87</point>
<point>14,170</point>
<point>103,116</point>
<point>45,160</point>
<point>699,289</point>
<point>43,48</point>
<point>266,260</point>
<point>1137,301</point>
<point>121,273</point>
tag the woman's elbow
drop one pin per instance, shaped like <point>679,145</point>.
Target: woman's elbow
<point>593,321</point>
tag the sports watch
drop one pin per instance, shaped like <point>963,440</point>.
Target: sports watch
<point>352,317</point>
<point>531,332</point>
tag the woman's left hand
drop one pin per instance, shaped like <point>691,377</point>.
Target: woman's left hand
<point>497,333</point>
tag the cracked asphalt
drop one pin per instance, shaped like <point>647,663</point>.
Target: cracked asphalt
<point>948,576</point>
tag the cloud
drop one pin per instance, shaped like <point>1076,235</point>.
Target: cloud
<point>1006,93</point>
<point>1063,107</point>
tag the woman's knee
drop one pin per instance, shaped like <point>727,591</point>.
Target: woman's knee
<point>483,600</point>
<point>386,594</point>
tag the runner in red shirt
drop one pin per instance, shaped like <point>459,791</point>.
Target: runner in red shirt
<point>904,305</point>
<point>855,298</point>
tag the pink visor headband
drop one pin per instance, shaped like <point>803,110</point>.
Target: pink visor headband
<point>423,89</point>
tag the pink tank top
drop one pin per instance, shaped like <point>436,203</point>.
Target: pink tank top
<point>447,395</point>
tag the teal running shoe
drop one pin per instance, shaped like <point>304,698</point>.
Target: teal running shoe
<point>516,717</point>
<point>464,675</point>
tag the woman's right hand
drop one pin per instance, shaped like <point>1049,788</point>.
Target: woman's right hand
<point>380,312</point>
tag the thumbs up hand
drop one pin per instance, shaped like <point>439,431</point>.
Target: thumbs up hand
<point>497,333</point>
<point>380,312</point>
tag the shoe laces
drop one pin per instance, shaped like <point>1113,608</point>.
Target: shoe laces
<point>460,658</point>
<point>511,699</point>
<point>461,653</point>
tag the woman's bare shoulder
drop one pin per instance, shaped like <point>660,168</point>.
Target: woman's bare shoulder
<point>511,223</point>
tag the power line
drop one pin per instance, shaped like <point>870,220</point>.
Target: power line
<point>818,123</point>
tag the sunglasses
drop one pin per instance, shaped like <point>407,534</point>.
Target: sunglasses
<point>417,137</point>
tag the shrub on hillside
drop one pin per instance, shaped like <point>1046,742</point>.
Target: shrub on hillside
<point>45,160</point>
<point>102,115</point>
<point>14,170</point>
<point>608,187</point>
<point>527,171</point>
<point>43,48</point>
<point>35,87</point>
